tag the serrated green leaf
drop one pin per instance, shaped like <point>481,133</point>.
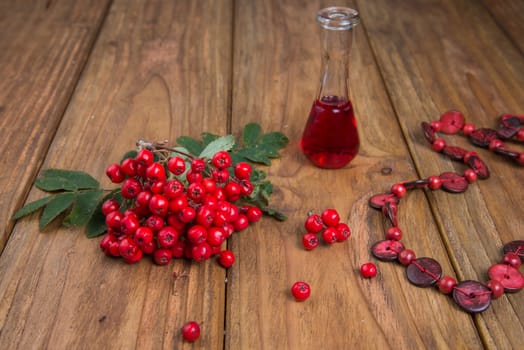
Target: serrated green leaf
<point>96,225</point>
<point>31,207</point>
<point>250,134</point>
<point>223,143</point>
<point>275,139</point>
<point>255,155</point>
<point>65,180</point>
<point>274,213</point>
<point>55,207</point>
<point>207,138</point>
<point>191,144</point>
<point>83,207</point>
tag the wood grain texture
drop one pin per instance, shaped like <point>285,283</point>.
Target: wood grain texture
<point>509,15</point>
<point>280,54</point>
<point>43,50</point>
<point>452,55</point>
<point>159,70</point>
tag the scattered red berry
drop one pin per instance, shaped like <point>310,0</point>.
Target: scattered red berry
<point>191,331</point>
<point>330,217</point>
<point>300,291</point>
<point>226,258</point>
<point>310,241</point>
<point>368,270</point>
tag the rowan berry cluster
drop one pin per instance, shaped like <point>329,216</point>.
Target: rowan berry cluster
<point>177,207</point>
<point>328,226</point>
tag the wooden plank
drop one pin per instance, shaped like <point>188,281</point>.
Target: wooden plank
<point>160,69</point>
<point>452,55</point>
<point>275,79</point>
<point>509,15</point>
<point>43,49</point>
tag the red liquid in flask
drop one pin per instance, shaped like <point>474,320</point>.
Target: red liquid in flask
<point>330,138</point>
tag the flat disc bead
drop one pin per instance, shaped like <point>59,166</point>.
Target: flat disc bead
<point>453,182</point>
<point>510,277</point>
<point>472,296</point>
<point>387,250</point>
<point>424,272</point>
<point>379,200</point>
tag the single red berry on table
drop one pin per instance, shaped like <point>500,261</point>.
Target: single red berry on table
<point>226,258</point>
<point>368,270</point>
<point>310,241</point>
<point>301,290</point>
<point>470,175</point>
<point>329,235</point>
<point>330,217</point>
<point>191,331</point>
<point>343,232</point>
<point>314,223</point>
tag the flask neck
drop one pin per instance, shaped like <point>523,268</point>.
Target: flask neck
<point>336,37</point>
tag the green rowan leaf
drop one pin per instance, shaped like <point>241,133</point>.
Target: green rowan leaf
<point>31,207</point>
<point>65,180</point>
<point>96,225</point>
<point>192,145</point>
<point>207,138</point>
<point>250,134</point>
<point>83,208</point>
<point>58,204</point>
<point>275,139</point>
<point>255,155</point>
<point>223,143</point>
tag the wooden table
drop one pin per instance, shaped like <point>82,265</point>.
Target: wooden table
<point>80,81</point>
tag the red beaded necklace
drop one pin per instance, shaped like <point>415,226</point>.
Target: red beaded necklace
<point>471,296</point>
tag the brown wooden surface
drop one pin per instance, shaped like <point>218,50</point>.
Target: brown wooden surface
<point>80,83</point>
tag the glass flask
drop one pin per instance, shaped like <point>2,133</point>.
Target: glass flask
<point>330,138</point>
